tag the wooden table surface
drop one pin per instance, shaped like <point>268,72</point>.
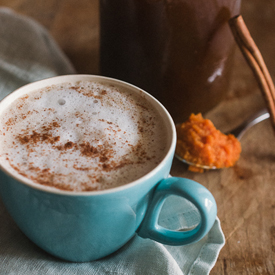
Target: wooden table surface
<point>245,194</point>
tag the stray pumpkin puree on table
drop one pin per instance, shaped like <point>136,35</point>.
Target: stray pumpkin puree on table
<point>199,142</point>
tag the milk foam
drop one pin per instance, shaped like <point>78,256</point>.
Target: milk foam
<point>81,136</point>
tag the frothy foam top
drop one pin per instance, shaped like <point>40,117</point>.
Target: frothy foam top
<point>81,136</point>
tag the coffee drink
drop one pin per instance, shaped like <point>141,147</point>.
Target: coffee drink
<point>81,136</point>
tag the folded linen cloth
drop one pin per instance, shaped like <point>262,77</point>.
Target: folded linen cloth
<point>28,53</point>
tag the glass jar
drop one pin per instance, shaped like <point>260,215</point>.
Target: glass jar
<point>180,51</point>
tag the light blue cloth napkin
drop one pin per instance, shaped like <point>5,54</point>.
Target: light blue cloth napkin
<point>28,53</point>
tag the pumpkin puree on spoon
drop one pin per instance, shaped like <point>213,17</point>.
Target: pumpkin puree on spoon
<point>199,142</point>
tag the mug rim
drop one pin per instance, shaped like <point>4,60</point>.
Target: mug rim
<point>82,77</point>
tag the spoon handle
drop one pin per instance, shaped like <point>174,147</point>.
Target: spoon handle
<point>258,117</point>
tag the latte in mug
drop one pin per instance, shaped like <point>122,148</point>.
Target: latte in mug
<point>81,136</point>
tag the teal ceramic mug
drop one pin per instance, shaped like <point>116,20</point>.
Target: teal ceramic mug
<point>85,226</point>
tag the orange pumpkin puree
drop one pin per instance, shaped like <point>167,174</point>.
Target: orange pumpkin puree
<point>199,142</point>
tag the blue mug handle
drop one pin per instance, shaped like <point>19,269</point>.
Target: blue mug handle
<point>190,190</point>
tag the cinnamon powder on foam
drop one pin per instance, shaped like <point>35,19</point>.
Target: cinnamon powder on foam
<point>97,162</point>
<point>199,142</point>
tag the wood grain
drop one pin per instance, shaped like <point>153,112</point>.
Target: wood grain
<point>245,194</point>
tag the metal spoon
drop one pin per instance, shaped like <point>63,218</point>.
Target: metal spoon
<point>238,132</point>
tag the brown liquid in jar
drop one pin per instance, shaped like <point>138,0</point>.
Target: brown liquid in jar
<point>180,51</point>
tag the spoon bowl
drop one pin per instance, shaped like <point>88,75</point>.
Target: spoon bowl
<point>238,132</point>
